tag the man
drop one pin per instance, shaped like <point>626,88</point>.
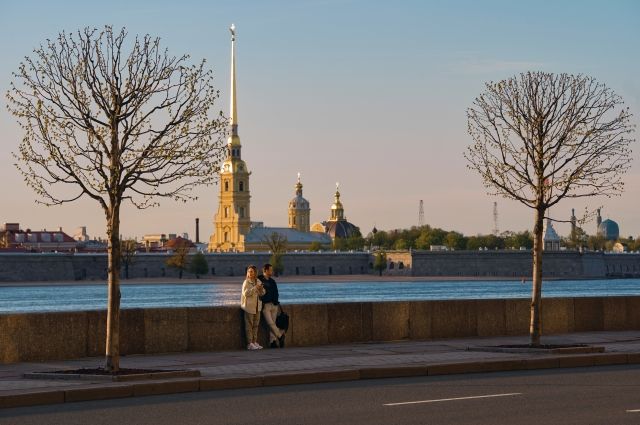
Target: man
<point>270,306</point>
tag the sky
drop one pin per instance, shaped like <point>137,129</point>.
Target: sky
<point>369,94</point>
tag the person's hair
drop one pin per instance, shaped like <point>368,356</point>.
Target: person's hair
<point>266,267</point>
<point>255,269</point>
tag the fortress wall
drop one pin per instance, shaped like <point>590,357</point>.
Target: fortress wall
<point>66,335</point>
<point>488,264</point>
<point>66,267</point>
<point>36,267</point>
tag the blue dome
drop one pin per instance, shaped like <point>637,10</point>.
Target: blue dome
<point>609,230</point>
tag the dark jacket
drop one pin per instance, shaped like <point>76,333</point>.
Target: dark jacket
<point>271,288</point>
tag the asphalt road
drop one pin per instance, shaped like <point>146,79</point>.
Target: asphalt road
<point>585,396</point>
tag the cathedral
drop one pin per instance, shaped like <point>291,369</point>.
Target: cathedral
<point>233,229</point>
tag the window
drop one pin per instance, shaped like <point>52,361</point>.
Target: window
<point>226,185</point>
<point>241,188</point>
<point>241,212</point>
<point>226,236</point>
<point>226,212</point>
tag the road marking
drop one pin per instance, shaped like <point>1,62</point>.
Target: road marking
<point>452,399</point>
<point>633,411</point>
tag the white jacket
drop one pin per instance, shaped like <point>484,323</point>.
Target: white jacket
<point>251,293</point>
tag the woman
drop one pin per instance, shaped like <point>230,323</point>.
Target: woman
<point>252,290</point>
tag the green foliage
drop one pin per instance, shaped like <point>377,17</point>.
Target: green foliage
<point>199,265</point>
<point>277,244</point>
<point>380,262</point>
<point>180,258</point>
<point>315,246</point>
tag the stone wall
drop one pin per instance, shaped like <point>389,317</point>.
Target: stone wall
<point>57,336</point>
<point>514,264</point>
<point>518,264</point>
<point>67,267</point>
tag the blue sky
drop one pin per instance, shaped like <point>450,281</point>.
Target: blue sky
<point>370,94</point>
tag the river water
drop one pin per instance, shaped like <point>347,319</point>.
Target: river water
<point>94,297</point>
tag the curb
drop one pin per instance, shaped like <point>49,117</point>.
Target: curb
<point>175,386</point>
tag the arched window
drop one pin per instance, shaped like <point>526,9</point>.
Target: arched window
<point>226,236</point>
<point>226,185</point>
<point>241,212</point>
<point>226,212</point>
<point>241,188</point>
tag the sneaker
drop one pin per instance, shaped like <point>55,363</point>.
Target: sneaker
<point>281,341</point>
<point>273,344</point>
<point>250,346</point>
<point>257,346</point>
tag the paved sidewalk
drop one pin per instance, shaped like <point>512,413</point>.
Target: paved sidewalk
<point>242,369</point>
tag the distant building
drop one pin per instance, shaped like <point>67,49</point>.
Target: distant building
<point>608,229</point>
<point>337,226</point>
<point>81,234</point>
<point>233,229</point>
<point>550,238</point>
<point>37,241</point>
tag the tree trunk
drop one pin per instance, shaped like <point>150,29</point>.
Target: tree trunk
<point>112,361</point>
<point>536,293</point>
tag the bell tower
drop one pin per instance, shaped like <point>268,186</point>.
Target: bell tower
<point>233,219</point>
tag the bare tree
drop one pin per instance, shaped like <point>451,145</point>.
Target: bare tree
<point>540,138</point>
<point>114,119</point>
<point>277,244</point>
<point>128,251</point>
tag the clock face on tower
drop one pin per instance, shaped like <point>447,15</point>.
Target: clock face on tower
<point>226,168</point>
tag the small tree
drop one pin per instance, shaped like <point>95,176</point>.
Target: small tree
<point>277,244</point>
<point>380,262</point>
<point>315,246</point>
<point>115,120</point>
<point>540,138</point>
<point>180,258</point>
<point>199,265</point>
<point>128,250</point>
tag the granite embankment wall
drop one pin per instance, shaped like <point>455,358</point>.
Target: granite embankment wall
<point>514,264</point>
<point>53,336</point>
<point>518,264</point>
<point>67,267</point>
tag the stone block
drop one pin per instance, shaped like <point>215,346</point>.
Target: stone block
<point>491,317</point>
<point>209,384</point>
<point>311,377</point>
<point>345,323</point>
<point>307,325</point>
<point>633,313</point>
<point>557,315</point>
<point>392,372</point>
<point>453,319</point>
<point>31,399</point>
<point>614,313</point>
<point>165,330</point>
<point>542,363</point>
<point>173,386</point>
<point>390,321</point>
<point>517,316</point>
<point>576,361</point>
<point>132,331</point>
<point>98,393</point>
<point>367,321</point>
<point>588,314</point>
<point>216,328</point>
<point>42,336</point>
<point>420,317</point>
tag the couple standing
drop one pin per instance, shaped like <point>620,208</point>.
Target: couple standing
<point>260,293</point>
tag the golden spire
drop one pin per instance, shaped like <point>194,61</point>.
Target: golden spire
<point>233,138</point>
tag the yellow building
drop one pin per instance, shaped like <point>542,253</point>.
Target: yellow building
<point>233,219</point>
<point>233,229</point>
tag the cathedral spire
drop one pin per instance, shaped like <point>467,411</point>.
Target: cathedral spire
<point>233,138</point>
